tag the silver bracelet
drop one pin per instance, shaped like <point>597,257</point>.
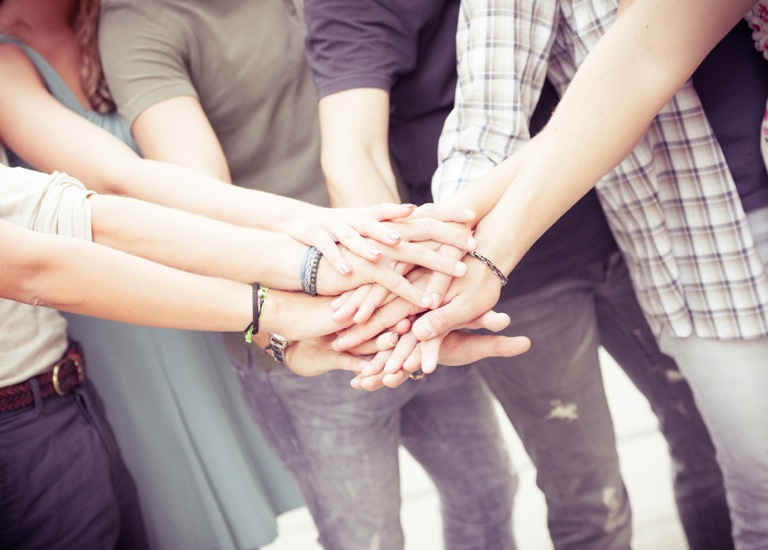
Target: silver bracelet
<point>308,273</point>
<point>491,266</point>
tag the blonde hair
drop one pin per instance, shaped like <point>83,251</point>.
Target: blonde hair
<point>91,73</point>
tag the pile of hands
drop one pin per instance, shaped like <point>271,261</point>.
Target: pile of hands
<point>402,292</point>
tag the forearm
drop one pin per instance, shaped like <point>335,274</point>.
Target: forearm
<point>85,278</point>
<point>179,187</point>
<point>355,153</point>
<point>605,111</point>
<point>195,243</point>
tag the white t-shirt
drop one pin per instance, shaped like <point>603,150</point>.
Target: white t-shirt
<point>33,338</point>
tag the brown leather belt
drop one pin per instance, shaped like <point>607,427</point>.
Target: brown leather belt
<point>67,373</point>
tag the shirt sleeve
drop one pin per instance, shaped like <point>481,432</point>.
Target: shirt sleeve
<point>360,43</point>
<point>142,56</point>
<point>49,203</point>
<point>502,66</point>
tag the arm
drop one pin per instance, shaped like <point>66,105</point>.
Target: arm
<point>600,118</point>
<point>354,127</point>
<point>66,273</point>
<point>51,137</point>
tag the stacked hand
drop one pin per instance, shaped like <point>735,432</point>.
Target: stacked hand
<point>401,308</point>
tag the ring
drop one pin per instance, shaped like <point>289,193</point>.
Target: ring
<point>418,375</point>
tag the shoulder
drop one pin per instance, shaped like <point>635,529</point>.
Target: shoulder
<point>17,69</point>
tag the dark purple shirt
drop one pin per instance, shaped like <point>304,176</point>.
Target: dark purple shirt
<point>408,48</point>
<point>732,83</point>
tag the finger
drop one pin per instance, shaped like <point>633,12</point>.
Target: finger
<point>430,354</point>
<point>402,351</point>
<point>356,243</point>
<point>429,229</point>
<point>461,348</point>
<point>372,383</point>
<point>389,211</point>
<point>420,254</point>
<point>490,320</point>
<point>331,252</point>
<point>394,380</point>
<point>376,364</point>
<point>386,340</point>
<point>348,362</point>
<point>397,284</point>
<point>346,311</point>
<point>445,213</point>
<point>401,327</point>
<point>438,321</point>
<point>372,301</point>
<point>437,287</point>
<point>382,320</point>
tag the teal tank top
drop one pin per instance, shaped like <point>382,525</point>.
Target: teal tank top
<point>111,122</point>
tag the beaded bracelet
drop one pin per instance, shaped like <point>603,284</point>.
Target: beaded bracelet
<point>308,274</point>
<point>259,294</point>
<point>491,266</point>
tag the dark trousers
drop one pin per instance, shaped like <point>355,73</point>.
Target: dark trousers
<point>63,483</point>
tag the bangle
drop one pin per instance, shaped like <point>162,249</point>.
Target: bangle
<point>308,273</point>
<point>489,263</point>
<point>259,294</point>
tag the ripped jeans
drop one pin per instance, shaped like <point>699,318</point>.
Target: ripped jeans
<point>341,445</point>
<point>555,399</point>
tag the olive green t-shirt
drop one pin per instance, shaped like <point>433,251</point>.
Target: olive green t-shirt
<point>244,60</point>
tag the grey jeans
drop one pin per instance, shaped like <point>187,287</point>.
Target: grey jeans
<point>342,447</point>
<point>554,397</point>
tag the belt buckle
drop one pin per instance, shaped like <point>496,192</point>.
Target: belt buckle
<point>59,386</point>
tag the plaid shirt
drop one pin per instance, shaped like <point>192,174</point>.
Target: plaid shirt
<point>672,204</point>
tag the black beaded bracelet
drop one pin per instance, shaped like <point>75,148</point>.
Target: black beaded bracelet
<point>491,266</point>
<point>259,295</point>
<point>308,273</point>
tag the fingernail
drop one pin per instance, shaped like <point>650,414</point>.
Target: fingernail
<point>470,213</point>
<point>436,299</point>
<point>394,236</point>
<point>460,268</point>
<point>346,269</point>
<point>374,252</point>
<point>427,327</point>
<point>408,205</point>
<point>472,243</point>
<point>426,300</point>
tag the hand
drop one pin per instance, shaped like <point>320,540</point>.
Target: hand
<point>383,318</point>
<point>467,298</point>
<point>324,227</point>
<point>298,316</point>
<point>389,273</point>
<point>315,356</point>
<point>458,348</point>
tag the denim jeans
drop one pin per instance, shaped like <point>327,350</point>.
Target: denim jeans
<point>730,381</point>
<point>342,447</point>
<point>555,399</point>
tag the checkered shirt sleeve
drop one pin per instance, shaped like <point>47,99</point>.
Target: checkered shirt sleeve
<point>672,204</point>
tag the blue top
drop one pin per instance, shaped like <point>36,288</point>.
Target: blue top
<point>111,122</point>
